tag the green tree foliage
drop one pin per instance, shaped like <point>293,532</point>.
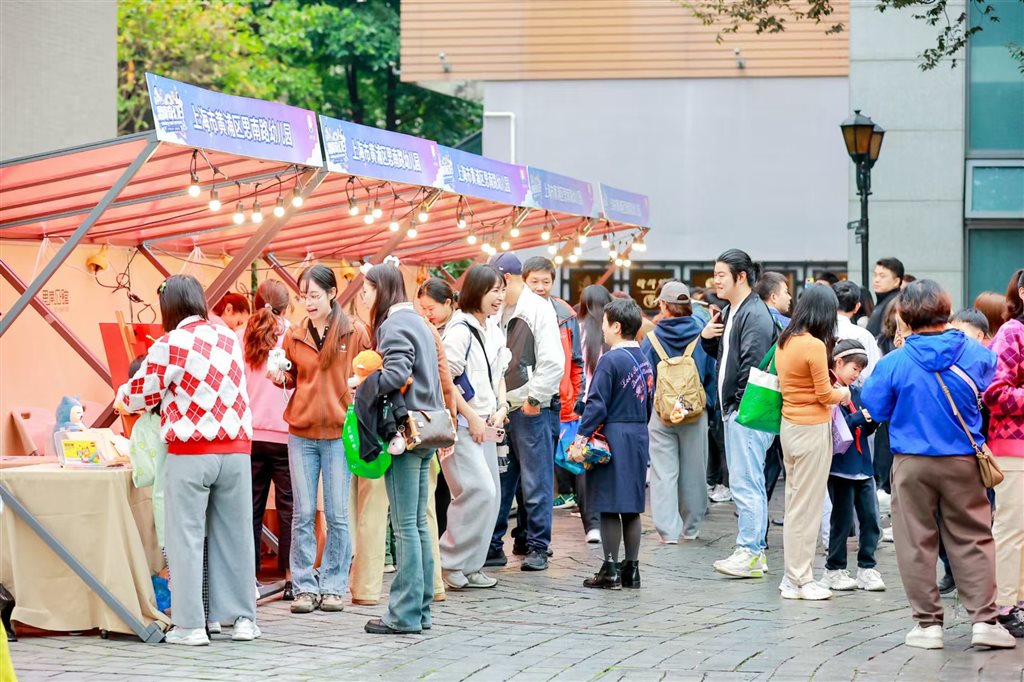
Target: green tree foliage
<point>336,57</point>
<point>772,16</point>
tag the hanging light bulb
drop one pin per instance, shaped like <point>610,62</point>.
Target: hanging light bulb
<point>257,212</point>
<point>559,260</point>
<point>461,221</point>
<point>394,226</point>
<point>353,207</point>
<point>545,234</point>
<point>471,239</point>
<point>296,198</point>
<point>618,262</point>
<point>605,244</point>
<point>423,216</point>
<point>368,218</point>
<point>239,215</point>
<point>626,263</point>
<point>505,245</point>
<point>411,232</point>
<point>583,238</point>
<point>377,210</point>
<point>279,207</point>
<point>573,258</point>
<point>577,250</point>
<point>214,200</point>
<point>514,232</point>
<point>639,245</point>
<point>553,249</point>
<point>193,187</point>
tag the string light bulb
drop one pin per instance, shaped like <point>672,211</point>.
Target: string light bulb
<point>412,232</point>
<point>618,262</point>
<point>559,260</point>
<point>514,232</point>
<point>573,258</point>
<point>505,245</point>
<point>582,238</point>
<point>577,251</point>
<point>368,218</point>
<point>193,187</point>
<point>394,226</point>
<point>353,207</point>
<point>423,216</point>
<point>605,244</point>
<point>214,200</point>
<point>296,198</point>
<point>639,245</point>
<point>613,254</point>
<point>279,207</point>
<point>626,263</point>
<point>239,215</point>
<point>377,210</point>
<point>553,249</point>
<point>257,212</point>
<point>545,234</point>
<point>471,239</point>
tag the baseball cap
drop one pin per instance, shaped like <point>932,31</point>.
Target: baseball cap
<point>508,263</point>
<point>675,292</point>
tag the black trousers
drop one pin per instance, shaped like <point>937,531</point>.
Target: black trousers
<point>270,463</point>
<point>883,458</point>
<point>772,466</point>
<point>849,497</point>
<point>718,469</point>
<point>442,498</point>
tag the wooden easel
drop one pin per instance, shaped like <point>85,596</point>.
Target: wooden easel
<point>128,337</point>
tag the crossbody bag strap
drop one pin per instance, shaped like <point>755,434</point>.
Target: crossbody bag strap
<point>956,412</point>
<point>955,369</point>
<point>476,335</point>
<point>656,344</point>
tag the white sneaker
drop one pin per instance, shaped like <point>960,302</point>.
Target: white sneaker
<point>788,589</point>
<point>887,535</point>
<point>455,579</point>
<point>720,494</point>
<point>213,627</point>
<point>840,580</point>
<point>869,579</point>
<point>884,502</point>
<point>593,536</point>
<point>667,541</point>
<point>479,580</point>
<point>762,561</point>
<point>925,638</point>
<point>245,630</point>
<point>992,635</point>
<point>812,591</point>
<point>742,564</point>
<point>691,536</point>
<point>187,636</point>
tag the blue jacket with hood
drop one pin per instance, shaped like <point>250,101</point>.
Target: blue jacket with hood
<point>675,333</point>
<point>903,391</point>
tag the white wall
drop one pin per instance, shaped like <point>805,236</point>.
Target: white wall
<point>58,74</point>
<point>916,211</point>
<point>752,163</point>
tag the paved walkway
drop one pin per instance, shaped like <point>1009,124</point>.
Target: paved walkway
<point>687,623</point>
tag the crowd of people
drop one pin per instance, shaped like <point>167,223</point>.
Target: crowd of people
<point>887,403</point>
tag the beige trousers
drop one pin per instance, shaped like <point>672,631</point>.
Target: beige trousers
<point>807,456</point>
<point>1008,531</point>
<point>369,509</point>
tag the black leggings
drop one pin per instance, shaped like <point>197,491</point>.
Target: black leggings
<point>615,527</point>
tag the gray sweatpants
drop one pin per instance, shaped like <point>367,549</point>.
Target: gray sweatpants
<point>679,465</point>
<point>472,475</point>
<point>210,495</point>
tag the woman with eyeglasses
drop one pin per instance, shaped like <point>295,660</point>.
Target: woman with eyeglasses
<point>321,350</point>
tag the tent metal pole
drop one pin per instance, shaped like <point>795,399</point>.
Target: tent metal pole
<point>357,282</point>
<point>65,250</point>
<point>58,325</point>
<point>285,276</point>
<point>151,257</point>
<point>252,249</point>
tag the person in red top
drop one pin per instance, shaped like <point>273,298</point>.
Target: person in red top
<point>196,373</point>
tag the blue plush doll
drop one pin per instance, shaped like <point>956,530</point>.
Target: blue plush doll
<point>69,415</point>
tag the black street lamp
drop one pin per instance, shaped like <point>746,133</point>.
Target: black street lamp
<point>863,143</point>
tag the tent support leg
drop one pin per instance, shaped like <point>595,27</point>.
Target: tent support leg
<point>151,257</point>
<point>150,634</point>
<point>76,237</point>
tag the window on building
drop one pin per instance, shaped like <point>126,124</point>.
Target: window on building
<point>995,81</point>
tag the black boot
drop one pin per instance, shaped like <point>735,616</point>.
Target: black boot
<point>605,579</point>
<point>629,573</point>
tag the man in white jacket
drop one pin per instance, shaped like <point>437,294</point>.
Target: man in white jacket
<point>531,382</point>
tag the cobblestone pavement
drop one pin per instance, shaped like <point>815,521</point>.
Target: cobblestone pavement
<point>686,623</point>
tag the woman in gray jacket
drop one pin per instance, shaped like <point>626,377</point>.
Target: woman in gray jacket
<point>407,346</point>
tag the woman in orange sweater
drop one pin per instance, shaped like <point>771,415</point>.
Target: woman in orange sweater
<point>802,362</point>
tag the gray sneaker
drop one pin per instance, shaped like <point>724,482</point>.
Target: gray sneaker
<point>537,560</point>
<point>305,602</point>
<point>332,602</point>
<point>455,579</point>
<point>479,580</point>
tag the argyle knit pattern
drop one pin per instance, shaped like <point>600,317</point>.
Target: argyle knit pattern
<point>1005,395</point>
<point>196,375</point>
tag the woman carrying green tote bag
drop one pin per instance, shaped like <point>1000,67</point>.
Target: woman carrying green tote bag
<point>761,405</point>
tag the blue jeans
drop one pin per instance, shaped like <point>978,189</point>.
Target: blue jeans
<point>531,453</point>
<point>306,459</point>
<point>745,453</point>
<point>412,591</point>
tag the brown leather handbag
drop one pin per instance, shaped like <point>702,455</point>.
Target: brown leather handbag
<point>429,430</point>
<point>991,474</point>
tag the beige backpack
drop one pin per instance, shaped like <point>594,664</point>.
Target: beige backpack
<point>679,396</point>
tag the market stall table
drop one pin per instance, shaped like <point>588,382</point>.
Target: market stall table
<point>100,530</point>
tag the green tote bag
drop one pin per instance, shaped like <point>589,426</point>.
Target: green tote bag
<point>350,438</point>
<point>761,405</point>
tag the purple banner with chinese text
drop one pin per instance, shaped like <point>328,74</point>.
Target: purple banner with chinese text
<point>478,176</point>
<point>556,192</point>
<point>191,116</point>
<point>382,154</point>
<point>625,207</point>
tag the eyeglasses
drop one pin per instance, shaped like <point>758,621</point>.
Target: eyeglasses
<point>311,298</point>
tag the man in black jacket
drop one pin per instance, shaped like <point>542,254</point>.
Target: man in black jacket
<point>887,280</point>
<point>739,337</point>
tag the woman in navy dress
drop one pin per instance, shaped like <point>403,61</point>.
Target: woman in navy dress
<point>619,407</point>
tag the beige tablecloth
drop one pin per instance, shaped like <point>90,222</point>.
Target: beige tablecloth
<point>104,521</point>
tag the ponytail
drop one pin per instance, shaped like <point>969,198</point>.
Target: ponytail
<point>264,325</point>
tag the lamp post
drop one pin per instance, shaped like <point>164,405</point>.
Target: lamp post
<point>863,143</point>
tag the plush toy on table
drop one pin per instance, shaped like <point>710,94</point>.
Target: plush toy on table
<point>69,415</point>
<point>363,365</point>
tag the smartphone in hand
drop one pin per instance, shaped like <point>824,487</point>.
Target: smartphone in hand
<point>494,434</point>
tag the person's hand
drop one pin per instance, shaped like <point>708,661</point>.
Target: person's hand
<point>576,450</point>
<point>531,410</point>
<point>276,376</point>
<point>714,328</point>
<point>497,419</point>
<point>477,428</point>
<point>844,395</point>
<point>898,339</point>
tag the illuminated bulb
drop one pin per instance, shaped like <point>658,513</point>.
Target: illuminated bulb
<point>578,251</point>
<point>639,245</point>
<point>279,208</point>
<point>559,260</point>
<point>461,222</point>
<point>353,207</point>
<point>514,232</point>
<point>412,231</point>
<point>394,226</point>
<point>486,248</point>
<point>553,249</point>
<point>618,262</point>
<point>193,187</point>
<point>505,245</point>
<point>296,199</point>
<point>471,239</point>
<point>605,244</point>
<point>573,258</point>
<point>239,216</point>
<point>613,254</point>
<point>627,263</point>
<point>377,210</point>
<point>257,213</point>
<point>583,238</point>
<point>214,201</point>
<point>368,218</point>
<point>545,235</point>
<point>423,216</point>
